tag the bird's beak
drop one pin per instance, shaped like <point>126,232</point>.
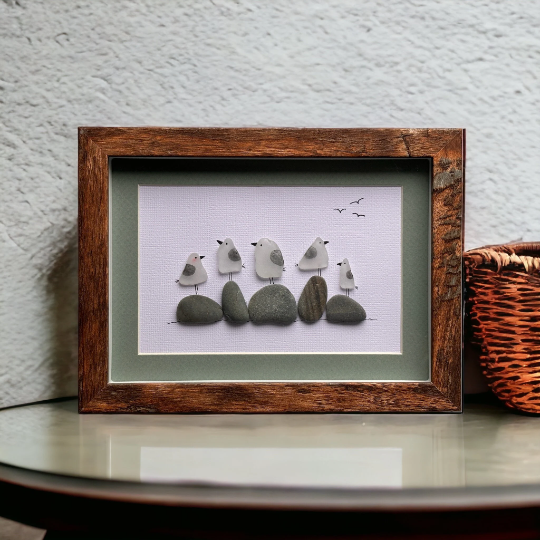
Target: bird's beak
<point>253,243</point>
<point>339,264</point>
<point>202,256</point>
<point>326,241</point>
<point>219,242</point>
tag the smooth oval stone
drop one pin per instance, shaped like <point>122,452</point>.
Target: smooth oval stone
<point>343,309</point>
<point>273,304</point>
<point>313,299</point>
<point>234,306</point>
<point>198,309</point>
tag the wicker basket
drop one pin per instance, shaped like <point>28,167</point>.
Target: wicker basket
<point>503,308</point>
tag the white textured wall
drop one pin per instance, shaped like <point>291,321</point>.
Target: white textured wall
<point>64,63</point>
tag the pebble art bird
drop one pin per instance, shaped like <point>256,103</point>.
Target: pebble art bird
<point>194,272</point>
<point>229,260</point>
<point>316,256</point>
<point>268,259</point>
<point>346,278</point>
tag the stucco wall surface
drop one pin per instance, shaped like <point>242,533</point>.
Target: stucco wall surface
<point>332,63</point>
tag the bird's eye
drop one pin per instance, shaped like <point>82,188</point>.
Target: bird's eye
<point>260,245</point>
<point>195,258</point>
<point>226,243</point>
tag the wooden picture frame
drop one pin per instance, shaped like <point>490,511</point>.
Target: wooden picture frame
<point>445,148</point>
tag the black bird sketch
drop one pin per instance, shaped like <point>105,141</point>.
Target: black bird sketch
<point>358,201</point>
<point>340,209</point>
<point>359,215</point>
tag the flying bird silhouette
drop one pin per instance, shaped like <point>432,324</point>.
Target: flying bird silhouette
<point>340,209</point>
<point>359,215</point>
<point>358,201</point>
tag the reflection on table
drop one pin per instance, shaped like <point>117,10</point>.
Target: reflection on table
<point>484,446</point>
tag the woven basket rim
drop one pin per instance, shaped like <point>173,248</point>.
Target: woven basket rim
<point>515,256</point>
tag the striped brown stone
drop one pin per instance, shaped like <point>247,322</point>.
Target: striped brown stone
<point>313,299</point>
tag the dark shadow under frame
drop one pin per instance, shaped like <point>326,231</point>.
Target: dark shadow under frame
<point>445,147</point>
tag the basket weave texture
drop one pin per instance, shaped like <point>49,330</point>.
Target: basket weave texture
<point>503,308</point>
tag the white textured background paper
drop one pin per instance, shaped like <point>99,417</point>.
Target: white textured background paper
<point>177,220</point>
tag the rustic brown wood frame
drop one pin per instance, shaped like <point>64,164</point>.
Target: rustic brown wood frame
<point>446,148</point>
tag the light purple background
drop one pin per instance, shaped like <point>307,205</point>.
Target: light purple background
<point>177,220</point>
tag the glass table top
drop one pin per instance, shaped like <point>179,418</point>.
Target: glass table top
<point>485,446</point>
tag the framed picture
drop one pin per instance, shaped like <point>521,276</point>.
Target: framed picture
<point>270,270</point>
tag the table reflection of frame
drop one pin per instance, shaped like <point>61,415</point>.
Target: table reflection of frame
<point>390,452</point>
<point>107,341</point>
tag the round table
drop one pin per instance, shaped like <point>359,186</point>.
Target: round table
<point>323,475</point>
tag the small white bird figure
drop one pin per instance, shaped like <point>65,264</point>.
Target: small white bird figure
<point>316,256</point>
<point>268,259</point>
<point>229,260</point>
<point>194,272</point>
<point>346,278</point>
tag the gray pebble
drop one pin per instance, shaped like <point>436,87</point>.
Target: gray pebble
<point>276,257</point>
<point>311,252</point>
<point>343,309</point>
<point>313,299</point>
<point>198,309</point>
<point>234,305</point>
<point>234,255</point>
<point>273,304</point>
